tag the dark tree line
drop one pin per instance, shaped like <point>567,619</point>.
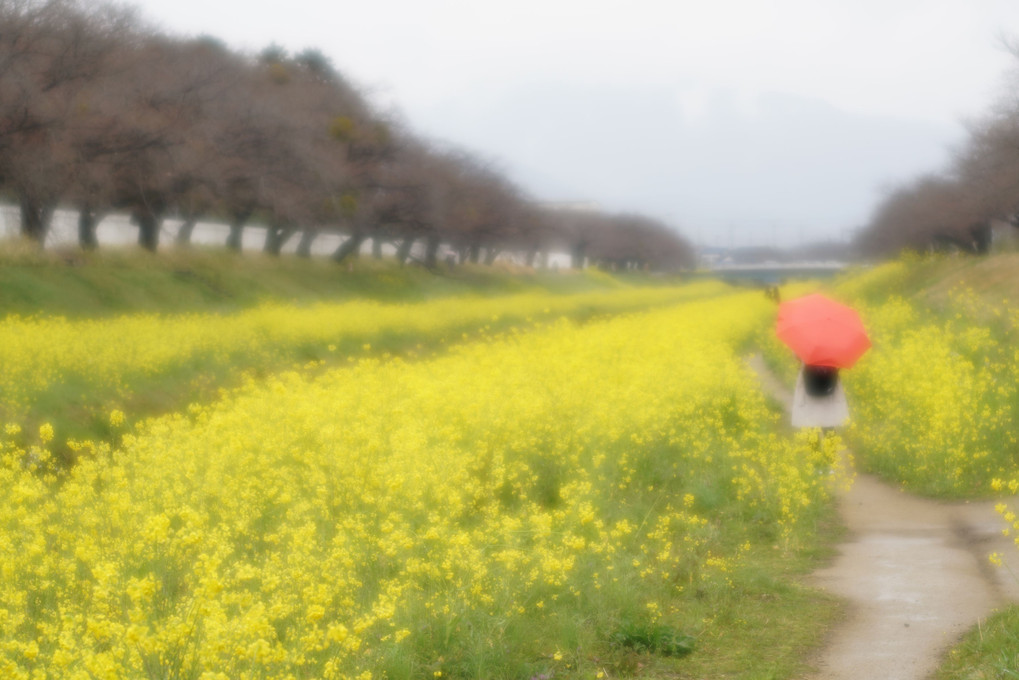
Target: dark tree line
<point>955,209</point>
<point>100,114</point>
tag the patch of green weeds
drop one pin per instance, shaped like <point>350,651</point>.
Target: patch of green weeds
<point>990,650</point>
<point>653,638</point>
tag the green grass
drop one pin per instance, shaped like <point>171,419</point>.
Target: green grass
<point>769,625</point>
<point>115,281</point>
<point>929,280</point>
<point>990,651</point>
<point>766,625</point>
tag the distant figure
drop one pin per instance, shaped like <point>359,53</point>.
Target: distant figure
<point>819,400</point>
<point>772,293</point>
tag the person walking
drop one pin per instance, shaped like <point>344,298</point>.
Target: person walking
<point>826,336</point>
<point>818,398</point>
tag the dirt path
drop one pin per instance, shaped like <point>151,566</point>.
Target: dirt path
<point>914,572</point>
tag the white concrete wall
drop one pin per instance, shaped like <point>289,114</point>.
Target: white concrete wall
<point>117,230</point>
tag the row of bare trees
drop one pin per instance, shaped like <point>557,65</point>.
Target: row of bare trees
<point>100,114</point>
<point>957,207</point>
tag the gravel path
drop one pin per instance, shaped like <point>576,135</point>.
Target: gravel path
<point>915,574</point>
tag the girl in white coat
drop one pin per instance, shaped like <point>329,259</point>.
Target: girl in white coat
<point>819,400</point>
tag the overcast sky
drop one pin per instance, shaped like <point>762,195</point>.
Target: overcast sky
<point>738,121</point>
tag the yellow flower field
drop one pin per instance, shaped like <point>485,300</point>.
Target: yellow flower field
<point>935,403</point>
<point>502,510</point>
<point>49,362</point>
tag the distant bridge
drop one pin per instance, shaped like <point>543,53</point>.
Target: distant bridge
<point>772,273</point>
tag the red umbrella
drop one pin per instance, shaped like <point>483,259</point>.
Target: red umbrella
<point>822,332</point>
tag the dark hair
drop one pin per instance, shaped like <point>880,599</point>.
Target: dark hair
<point>820,381</point>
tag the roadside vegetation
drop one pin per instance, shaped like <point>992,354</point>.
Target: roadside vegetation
<point>988,653</point>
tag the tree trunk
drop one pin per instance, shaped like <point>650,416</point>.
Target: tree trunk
<point>377,247</point>
<point>349,248</point>
<point>432,251</point>
<point>35,219</point>
<point>276,238</point>
<point>530,256</point>
<point>490,255</point>
<point>148,230</point>
<point>88,220</point>
<point>982,237</point>
<point>473,253</point>
<point>235,239</point>
<point>304,245</point>
<point>403,250</point>
<point>184,233</point>
<point>577,255</point>
<point>946,242</point>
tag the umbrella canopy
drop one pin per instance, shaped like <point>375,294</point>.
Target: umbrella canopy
<point>822,332</point>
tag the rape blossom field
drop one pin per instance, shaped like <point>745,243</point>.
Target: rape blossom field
<point>571,500</point>
<point>936,405</point>
<point>103,364</point>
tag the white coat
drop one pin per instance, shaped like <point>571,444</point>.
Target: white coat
<point>830,410</point>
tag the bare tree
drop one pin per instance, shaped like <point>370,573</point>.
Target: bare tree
<point>955,209</point>
<point>988,166</point>
<point>932,213</point>
<point>97,111</point>
<point>50,52</point>
<point>483,210</point>
<point>630,241</point>
<point>170,86</point>
<point>575,229</point>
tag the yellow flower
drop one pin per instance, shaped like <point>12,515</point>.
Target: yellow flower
<point>45,433</point>
<point>264,517</point>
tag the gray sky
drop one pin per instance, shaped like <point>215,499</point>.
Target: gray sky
<point>737,121</point>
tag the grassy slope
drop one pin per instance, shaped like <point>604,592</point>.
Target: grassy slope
<point>993,278</point>
<point>931,280</point>
<point>990,651</point>
<point>118,281</point>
